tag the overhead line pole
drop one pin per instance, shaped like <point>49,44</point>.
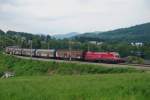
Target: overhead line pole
<point>88,46</point>
<point>31,49</point>
<point>70,50</point>
<point>48,45</point>
<point>0,42</point>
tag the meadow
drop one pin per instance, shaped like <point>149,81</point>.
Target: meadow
<point>40,80</point>
<point>128,86</point>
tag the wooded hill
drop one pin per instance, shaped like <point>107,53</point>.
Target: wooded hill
<point>22,39</point>
<point>11,38</point>
<point>138,33</point>
<point>115,41</point>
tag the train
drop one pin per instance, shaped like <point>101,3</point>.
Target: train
<point>90,56</point>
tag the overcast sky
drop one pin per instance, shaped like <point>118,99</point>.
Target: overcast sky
<point>63,16</point>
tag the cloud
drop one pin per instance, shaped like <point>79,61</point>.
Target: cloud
<point>62,16</point>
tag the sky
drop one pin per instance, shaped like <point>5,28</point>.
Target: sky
<point>64,16</point>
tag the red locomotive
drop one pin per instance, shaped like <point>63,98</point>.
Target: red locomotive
<point>108,57</point>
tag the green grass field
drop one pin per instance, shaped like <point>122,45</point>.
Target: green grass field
<point>39,80</point>
<point>133,86</point>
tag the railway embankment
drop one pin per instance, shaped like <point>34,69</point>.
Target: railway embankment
<point>145,66</point>
<point>38,66</point>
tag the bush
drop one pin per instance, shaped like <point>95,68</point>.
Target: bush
<point>135,60</point>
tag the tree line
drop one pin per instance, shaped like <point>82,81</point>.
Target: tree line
<point>22,39</point>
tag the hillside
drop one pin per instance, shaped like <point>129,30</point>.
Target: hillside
<point>114,41</point>
<point>68,35</point>
<point>22,39</point>
<point>23,67</point>
<point>138,33</point>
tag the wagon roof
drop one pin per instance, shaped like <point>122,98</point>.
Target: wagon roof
<point>52,50</point>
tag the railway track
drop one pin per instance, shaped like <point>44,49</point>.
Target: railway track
<point>121,65</point>
<point>141,65</point>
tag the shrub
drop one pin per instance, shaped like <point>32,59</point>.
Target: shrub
<point>135,60</point>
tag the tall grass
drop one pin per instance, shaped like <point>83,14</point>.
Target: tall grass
<point>77,87</point>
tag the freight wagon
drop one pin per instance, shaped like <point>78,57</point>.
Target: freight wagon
<point>28,52</point>
<point>11,49</point>
<point>45,53</point>
<point>17,51</point>
<point>66,54</point>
